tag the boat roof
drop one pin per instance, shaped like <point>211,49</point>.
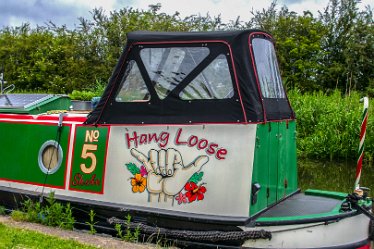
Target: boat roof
<point>154,36</point>
<point>250,101</point>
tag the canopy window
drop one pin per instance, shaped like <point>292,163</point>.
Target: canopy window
<point>167,67</point>
<point>273,96</point>
<point>214,82</point>
<point>132,87</point>
<point>267,69</point>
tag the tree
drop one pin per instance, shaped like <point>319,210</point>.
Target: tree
<point>349,46</point>
<point>298,42</point>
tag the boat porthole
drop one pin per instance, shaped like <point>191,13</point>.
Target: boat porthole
<point>50,157</point>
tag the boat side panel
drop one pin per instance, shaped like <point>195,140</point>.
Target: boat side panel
<point>20,150</point>
<point>260,169</point>
<point>209,167</point>
<point>274,163</point>
<point>89,159</point>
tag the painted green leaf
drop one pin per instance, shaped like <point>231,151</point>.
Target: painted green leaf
<point>132,168</point>
<point>197,177</point>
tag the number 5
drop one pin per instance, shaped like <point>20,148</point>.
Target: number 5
<point>85,154</point>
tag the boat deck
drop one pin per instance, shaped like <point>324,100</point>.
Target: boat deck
<point>311,206</point>
<point>301,204</point>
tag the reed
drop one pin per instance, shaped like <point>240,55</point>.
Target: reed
<point>329,125</point>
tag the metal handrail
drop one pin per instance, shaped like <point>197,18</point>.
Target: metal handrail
<point>8,89</point>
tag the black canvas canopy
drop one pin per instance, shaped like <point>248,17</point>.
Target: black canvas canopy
<point>195,77</point>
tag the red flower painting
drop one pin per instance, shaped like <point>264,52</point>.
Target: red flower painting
<point>193,191</point>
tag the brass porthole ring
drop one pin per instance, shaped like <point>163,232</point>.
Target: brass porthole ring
<point>50,157</point>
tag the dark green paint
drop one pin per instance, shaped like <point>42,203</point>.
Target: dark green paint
<point>273,154</point>
<point>20,145</point>
<point>274,166</point>
<point>96,178</point>
<point>261,167</point>
<point>287,175</point>
<point>324,193</point>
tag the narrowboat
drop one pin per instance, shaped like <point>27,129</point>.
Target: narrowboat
<point>194,137</point>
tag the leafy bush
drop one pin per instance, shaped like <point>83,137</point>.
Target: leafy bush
<point>87,95</point>
<point>57,214</point>
<point>82,95</point>
<point>51,214</point>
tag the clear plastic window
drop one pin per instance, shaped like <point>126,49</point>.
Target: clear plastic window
<point>167,67</point>
<point>133,87</point>
<point>214,82</point>
<point>267,69</point>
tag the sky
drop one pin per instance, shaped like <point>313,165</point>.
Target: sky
<point>67,12</point>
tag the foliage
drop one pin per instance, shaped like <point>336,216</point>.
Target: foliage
<point>350,41</point>
<point>330,51</point>
<point>51,214</point>
<point>129,235</point>
<point>329,125</point>
<point>21,238</point>
<point>91,223</point>
<point>18,215</point>
<point>86,95</point>
<point>82,95</point>
<point>118,228</point>
<point>59,60</point>
<point>2,210</point>
<point>326,52</point>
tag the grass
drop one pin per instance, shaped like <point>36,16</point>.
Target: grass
<point>20,238</point>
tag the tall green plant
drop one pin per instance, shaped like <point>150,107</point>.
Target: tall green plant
<point>329,125</point>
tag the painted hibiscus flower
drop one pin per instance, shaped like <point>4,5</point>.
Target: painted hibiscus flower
<point>138,183</point>
<point>194,191</point>
<point>181,198</point>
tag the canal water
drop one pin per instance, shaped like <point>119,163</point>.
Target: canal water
<point>333,176</point>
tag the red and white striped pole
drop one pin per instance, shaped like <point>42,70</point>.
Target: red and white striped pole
<point>361,147</point>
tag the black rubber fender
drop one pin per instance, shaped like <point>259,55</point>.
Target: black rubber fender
<point>371,230</point>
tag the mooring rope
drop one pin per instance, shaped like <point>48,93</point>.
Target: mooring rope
<point>354,199</point>
<point>56,144</point>
<point>213,236</point>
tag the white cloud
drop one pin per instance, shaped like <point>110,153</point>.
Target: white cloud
<point>229,9</point>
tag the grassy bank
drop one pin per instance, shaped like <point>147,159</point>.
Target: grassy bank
<point>329,125</point>
<point>20,238</point>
